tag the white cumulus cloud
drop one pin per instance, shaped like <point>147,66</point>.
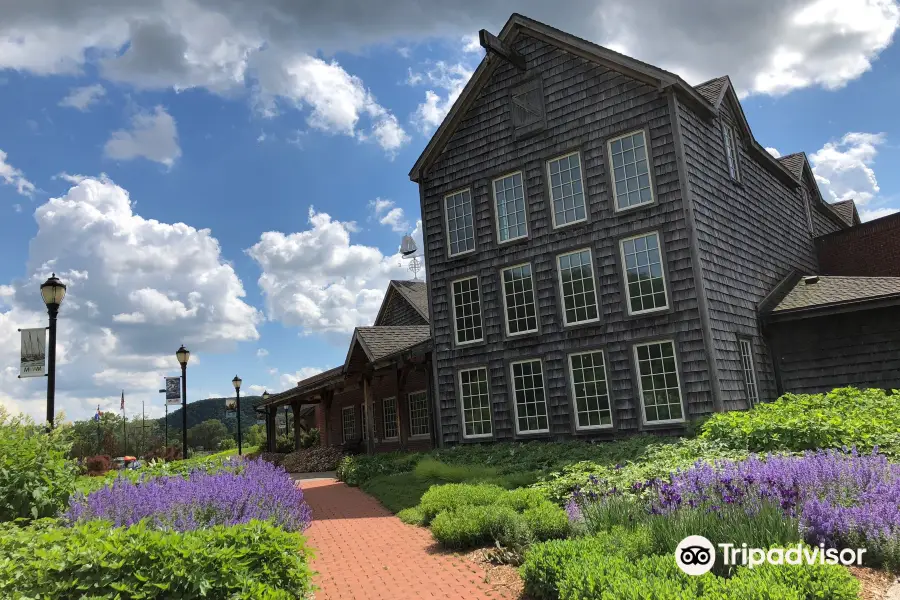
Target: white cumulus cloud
<point>153,135</point>
<point>82,98</point>
<point>14,177</point>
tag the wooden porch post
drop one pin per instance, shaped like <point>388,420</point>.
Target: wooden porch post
<point>434,407</point>
<point>370,417</point>
<point>402,409</point>
<point>270,428</point>
<point>325,432</point>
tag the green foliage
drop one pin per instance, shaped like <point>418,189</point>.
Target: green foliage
<point>797,422</point>
<point>398,492</point>
<point>251,561</point>
<point>356,470</point>
<point>522,499</point>
<point>255,435</point>
<point>815,581</point>
<point>473,526</point>
<point>227,443</point>
<point>284,444</point>
<point>546,521</point>
<point>654,459</point>
<point>457,495</point>
<point>36,478</point>
<point>412,516</point>
<point>310,439</point>
<point>600,576</point>
<point>207,434</point>
<point>430,468</point>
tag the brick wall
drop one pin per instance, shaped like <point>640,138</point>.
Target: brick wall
<point>871,249</point>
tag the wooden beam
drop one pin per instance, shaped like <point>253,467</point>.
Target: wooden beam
<point>368,405</point>
<point>402,409</point>
<point>491,43</point>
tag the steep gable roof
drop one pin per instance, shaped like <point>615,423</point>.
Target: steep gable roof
<point>794,163</point>
<point>798,165</point>
<point>713,90</point>
<point>846,209</point>
<point>386,341</point>
<point>518,24</point>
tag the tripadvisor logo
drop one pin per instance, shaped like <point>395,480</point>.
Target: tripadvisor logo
<point>696,555</point>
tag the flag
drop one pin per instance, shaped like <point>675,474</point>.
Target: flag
<point>123,401</point>
<point>97,416</point>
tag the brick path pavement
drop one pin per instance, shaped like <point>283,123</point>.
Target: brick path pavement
<point>364,552</point>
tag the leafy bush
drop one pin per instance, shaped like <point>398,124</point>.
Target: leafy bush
<point>522,499</point>
<point>311,439</point>
<point>97,465</point>
<point>36,478</point>
<point>313,460</point>
<point>457,495</point>
<point>227,443</point>
<point>356,470</point>
<point>843,417</point>
<point>430,468</point>
<point>546,521</point>
<point>815,581</point>
<point>284,444</point>
<point>256,491</point>
<point>473,526</point>
<point>655,460</point>
<point>249,561</point>
<point>600,576</point>
<point>412,516</point>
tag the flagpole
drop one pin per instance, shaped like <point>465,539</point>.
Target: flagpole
<point>99,448</point>
<point>124,427</point>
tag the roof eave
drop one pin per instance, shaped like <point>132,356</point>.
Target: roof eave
<point>821,310</point>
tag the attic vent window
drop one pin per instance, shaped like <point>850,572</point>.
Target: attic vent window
<point>811,279</point>
<point>527,108</point>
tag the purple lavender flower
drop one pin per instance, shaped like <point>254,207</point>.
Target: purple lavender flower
<point>255,490</point>
<point>573,511</point>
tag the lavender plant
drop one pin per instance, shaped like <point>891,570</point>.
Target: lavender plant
<point>257,490</point>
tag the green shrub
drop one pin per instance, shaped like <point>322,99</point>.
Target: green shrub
<point>36,478</point>
<point>356,470</point>
<point>430,468</point>
<point>412,516</point>
<point>457,495</point>
<point>815,581</point>
<point>601,576</point>
<point>256,560</point>
<point>797,422</point>
<point>311,438</point>
<point>544,563</point>
<point>473,526</point>
<point>284,444</point>
<point>522,499</point>
<point>546,521</point>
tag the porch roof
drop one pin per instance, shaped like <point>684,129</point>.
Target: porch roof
<point>813,295</point>
<point>379,343</point>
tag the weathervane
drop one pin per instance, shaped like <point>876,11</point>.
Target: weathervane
<point>408,251</point>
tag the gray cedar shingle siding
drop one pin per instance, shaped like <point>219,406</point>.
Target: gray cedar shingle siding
<point>585,105</point>
<point>398,311</point>
<point>416,294</point>
<point>856,348</point>
<point>750,236</point>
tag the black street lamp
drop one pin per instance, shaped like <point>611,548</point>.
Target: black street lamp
<point>236,382</point>
<point>52,291</point>
<point>183,355</point>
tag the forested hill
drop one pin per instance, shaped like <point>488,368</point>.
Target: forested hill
<point>213,408</point>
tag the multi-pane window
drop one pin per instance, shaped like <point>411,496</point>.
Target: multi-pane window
<point>518,299</point>
<point>576,280</point>
<point>365,429</point>
<point>566,190</point>
<point>528,391</point>
<point>476,402</point>
<point>749,371</point>
<point>587,372</point>
<point>658,380</point>
<point>467,311</point>
<point>631,170</point>
<point>418,414</point>
<point>642,263</point>
<point>460,223</point>
<point>348,423</point>
<point>509,202</point>
<point>731,151</point>
<point>391,427</point>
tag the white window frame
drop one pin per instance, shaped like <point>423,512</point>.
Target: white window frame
<point>409,406</point>
<point>512,387</point>
<point>612,171</point>
<point>497,208</point>
<point>384,418</point>
<point>637,368</point>
<point>537,318</point>
<point>352,409</point>
<point>450,253</point>
<point>732,153</point>
<point>562,293</point>
<point>583,191</point>
<point>578,425</point>
<point>745,347</point>
<point>662,263</point>
<point>453,314</point>
<point>462,405</point>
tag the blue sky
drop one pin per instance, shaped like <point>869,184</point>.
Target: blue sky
<point>209,174</point>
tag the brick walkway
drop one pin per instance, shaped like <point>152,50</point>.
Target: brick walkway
<point>366,553</point>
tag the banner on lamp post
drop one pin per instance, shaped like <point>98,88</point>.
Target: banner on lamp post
<point>34,352</point>
<point>173,390</point>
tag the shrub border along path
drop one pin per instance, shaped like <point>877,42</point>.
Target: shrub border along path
<point>364,552</point>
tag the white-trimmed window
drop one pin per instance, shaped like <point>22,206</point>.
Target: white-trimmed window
<point>749,371</point>
<point>644,279</point>
<point>348,423</point>
<point>528,391</point>
<point>566,189</point>
<point>808,207</point>
<point>475,398</point>
<point>630,168</point>
<point>467,311</point>
<point>518,300</point>
<point>659,384</point>
<point>577,288</point>
<point>509,207</point>
<point>389,411</point>
<point>729,137</point>
<point>587,373</point>
<point>418,414</point>
<point>362,421</point>
<point>460,222</point>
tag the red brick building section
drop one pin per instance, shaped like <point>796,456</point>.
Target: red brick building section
<point>870,250</point>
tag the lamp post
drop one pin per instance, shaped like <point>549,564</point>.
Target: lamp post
<point>286,409</point>
<point>236,382</point>
<point>52,291</point>
<point>183,355</point>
